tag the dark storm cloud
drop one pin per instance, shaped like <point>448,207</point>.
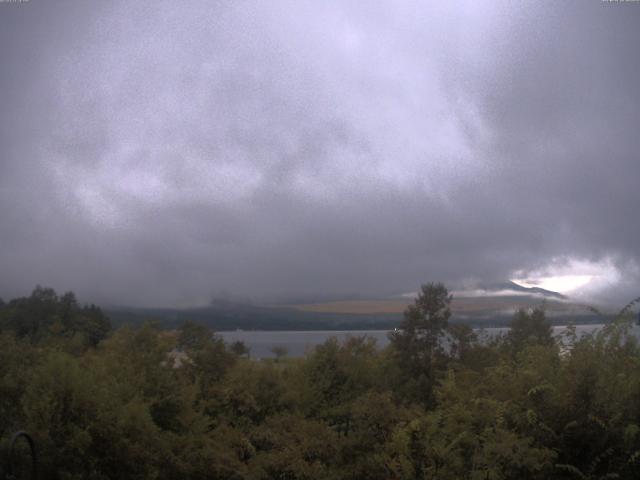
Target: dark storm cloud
<point>164,152</point>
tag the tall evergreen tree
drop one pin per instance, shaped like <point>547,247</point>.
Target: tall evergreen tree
<point>417,344</point>
<point>530,328</point>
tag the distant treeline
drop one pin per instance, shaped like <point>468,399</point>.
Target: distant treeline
<point>142,402</point>
<point>231,316</point>
<point>44,315</point>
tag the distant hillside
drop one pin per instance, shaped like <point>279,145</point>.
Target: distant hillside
<point>509,285</point>
<point>467,306</point>
<point>227,316</point>
<point>493,309</point>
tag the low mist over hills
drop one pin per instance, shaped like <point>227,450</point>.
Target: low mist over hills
<point>514,287</point>
<point>487,305</point>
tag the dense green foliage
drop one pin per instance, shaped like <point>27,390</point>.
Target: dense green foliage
<point>437,403</point>
<point>44,316</point>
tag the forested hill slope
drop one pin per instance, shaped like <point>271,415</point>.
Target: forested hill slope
<point>480,311</point>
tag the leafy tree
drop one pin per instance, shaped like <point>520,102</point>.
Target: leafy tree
<point>250,392</point>
<point>207,358</point>
<point>44,315</point>
<point>193,336</point>
<point>529,328</point>
<point>280,352</point>
<point>366,451</point>
<point>84,428</point>
<point>239,348</point>
<point>417,343</point>
<point>462,341</point>
<point>32,316</point>
<point>18,359</point>
<point>295,448</point>
<point>337,374</point>
<point>92,324</point>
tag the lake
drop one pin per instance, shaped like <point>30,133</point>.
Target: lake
<point>298,343</point>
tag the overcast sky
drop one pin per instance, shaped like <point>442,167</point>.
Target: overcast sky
<point>168,152</point>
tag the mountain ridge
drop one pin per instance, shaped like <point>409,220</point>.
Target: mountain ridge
<point>511,285</point>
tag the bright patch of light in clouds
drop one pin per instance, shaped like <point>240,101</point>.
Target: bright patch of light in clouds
<point>569,275</point>
<point>560,283</point>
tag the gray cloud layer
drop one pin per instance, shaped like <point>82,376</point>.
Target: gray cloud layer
<point>164,152</point>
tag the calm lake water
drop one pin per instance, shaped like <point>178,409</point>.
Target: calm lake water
<point>298,343</point>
